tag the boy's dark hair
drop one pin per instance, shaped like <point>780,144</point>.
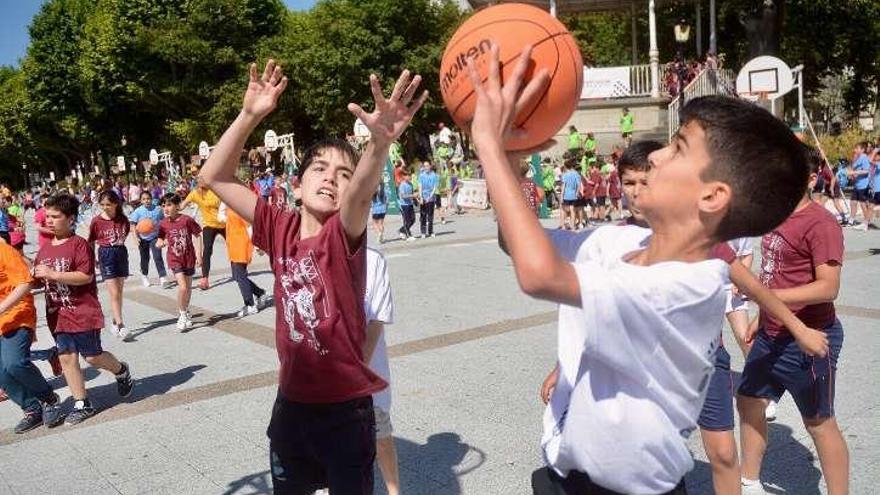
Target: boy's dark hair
<point>172,198</point>
<point>65,203</point>
<point>147,193</point>
<point>635,157</point>
<point>340,145</point>
<point>757,156</point>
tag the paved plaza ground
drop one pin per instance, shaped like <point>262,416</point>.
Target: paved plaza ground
<point>468,354</point>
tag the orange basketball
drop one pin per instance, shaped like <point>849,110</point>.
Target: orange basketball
<point>512,26</point>
<point>144,226</point>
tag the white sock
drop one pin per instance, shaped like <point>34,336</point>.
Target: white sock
<point>746,482</point>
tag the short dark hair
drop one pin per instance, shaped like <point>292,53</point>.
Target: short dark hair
<point>67,204</point>
<point>172,198</point>
<point>340,145</point>
<point>757,155</point>
<point>635,156</point>
<point>145,192</point>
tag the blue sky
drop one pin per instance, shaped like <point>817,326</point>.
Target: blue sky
<point>17,15</point>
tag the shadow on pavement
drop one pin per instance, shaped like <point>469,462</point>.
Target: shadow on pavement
<point>144,386</point>
<point>430,468</point>
<point>788,468</point>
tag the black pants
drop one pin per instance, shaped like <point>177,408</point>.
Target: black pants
<point>246,286</point>
<point>545,481</point>
<point>208,236</point>
<point>409,218</point>
<point>426,217</point>
<point>146,249</point>
<point>314,446</point>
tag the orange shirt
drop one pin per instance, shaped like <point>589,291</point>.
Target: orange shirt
<point>14,272</point>
<point>238,242</point>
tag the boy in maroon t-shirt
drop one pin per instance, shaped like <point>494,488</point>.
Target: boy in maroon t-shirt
<point>66,265</point>
<point>801,262</point>
<point>600,193</point>
<point>176,231</point>
<point>322,431</point>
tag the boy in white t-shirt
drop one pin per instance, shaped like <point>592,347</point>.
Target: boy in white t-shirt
<point>638,324</point>
<point>379,309</point>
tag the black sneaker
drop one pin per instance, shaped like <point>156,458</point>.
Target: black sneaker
<point>82,411</point>
<point>52,415</point>
<point>31,420</point>
<point>124,383</point>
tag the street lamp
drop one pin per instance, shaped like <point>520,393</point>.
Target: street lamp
<point>24,171</point>
<point>682,35</point>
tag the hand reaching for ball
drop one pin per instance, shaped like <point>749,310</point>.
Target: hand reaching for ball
<point>498,104</point>
<point>263,92</point>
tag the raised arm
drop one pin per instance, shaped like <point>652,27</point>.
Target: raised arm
<point>260,98</point>
<point>541,272</point>
<point>386,123</point>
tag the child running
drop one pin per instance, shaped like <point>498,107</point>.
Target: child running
<point>405,195</point>
<point>322,431</point>
<point>147,247</point>
<point>801,262</point>
<point>639,319</point>
<point>19,378</point>
<point>66,267</point>
<point>108,230</point>
<point>176,231</point>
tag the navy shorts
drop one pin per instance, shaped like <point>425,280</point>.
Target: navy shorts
<point>600,200</point>
<point>85,344</point>
<point>189,272</point>
<point>378,216</point>
<point>876,198</point>
<point>569,202</point>
<point>717,413</point>
<point>775,366</point>
<point>314,446</point>
<point>113,261</point>
<point>859,195</point>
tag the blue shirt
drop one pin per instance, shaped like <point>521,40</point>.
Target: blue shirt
<point>154,214</point>
<point>875,180</point>
<point>571,181</point>
<point>404,193</point>
<point>265,185</point>
<point>428,182</point>
<point>4,221</point>
<point>379,205</point>
<point>862,163</point>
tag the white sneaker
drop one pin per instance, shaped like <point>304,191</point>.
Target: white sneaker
<point>247,310</point>
<point>753,489</point>
<point>145,281</point>
<point>770,411</point>
<point>432,235</point>
<point>402,236</point>
<point>123,333</point>
<point>184,321</point>
<point>422,236</point>
<point>163,282</point>
<point>410,239</point>
<point>862,227</point>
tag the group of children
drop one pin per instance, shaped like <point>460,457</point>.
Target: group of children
<point>595,186</point>
<point>640,362</point>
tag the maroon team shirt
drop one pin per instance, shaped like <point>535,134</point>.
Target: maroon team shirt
<point>614,185</point>
<point>178,234</point>
<point>790,254</point>
<point>71,308</point>
<point>109,232</point>
<point>278,196</point>
<point>320,325</point>
<point>599,181</point>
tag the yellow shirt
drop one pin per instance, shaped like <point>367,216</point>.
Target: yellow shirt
<point>208,204</point>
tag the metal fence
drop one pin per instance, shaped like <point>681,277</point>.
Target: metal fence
<point>708,82</point>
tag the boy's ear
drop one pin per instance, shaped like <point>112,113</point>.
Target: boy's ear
<point>297,192</point>
<point>715,197</point>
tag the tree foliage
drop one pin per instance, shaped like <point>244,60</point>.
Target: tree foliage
<point>170,73</point>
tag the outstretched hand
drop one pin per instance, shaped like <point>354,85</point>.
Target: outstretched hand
<point>263,92</point>
<point>497,104</point>
<point>392,115</point>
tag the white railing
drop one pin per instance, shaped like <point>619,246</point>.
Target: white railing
<point>621,82</point>
<point>708,82</point>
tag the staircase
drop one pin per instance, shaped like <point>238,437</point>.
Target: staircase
<point>708,82</point>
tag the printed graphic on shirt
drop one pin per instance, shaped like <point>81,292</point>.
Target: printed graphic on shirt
<point>57,292</point>
<point>771,260</point>
<point>178,239</point>
<point>304,294</point>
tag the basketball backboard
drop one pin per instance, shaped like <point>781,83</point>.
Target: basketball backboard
<point>764,76</point>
